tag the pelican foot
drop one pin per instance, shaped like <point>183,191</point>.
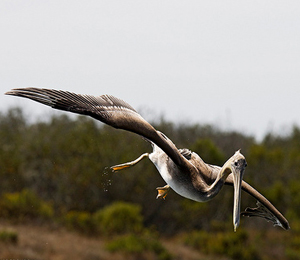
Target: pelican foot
<point>120,167</point>
<point>162,192</point>
<point>128,164</point>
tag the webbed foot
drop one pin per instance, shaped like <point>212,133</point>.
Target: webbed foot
<point>128,164</point>
<point>162,192</point>
<point>120,167</point>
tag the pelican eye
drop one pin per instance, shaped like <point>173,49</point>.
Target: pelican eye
<point>235,163</point>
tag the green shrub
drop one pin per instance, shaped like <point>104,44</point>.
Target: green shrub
<point>208,150</point>
<point>81,221</point>
<point>119,218</point>
<point>292,253</point>
<point>292,249</point>
<point>139,244</point>
<point>24,205</point>
<point>8,236</point>
<point>235,245</point>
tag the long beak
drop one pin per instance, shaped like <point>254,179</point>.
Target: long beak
<point>237,183</point>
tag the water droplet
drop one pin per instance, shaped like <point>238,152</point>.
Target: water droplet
<point>106,178</point>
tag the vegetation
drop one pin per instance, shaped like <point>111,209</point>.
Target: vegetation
<point>235,246</point>
<point>115,219</point>
<point>139,244</point>
<point>81,221</point>
<point>120,218</point>
<point>24,205</point>
<point>8,236</point>
<point>58,169</point>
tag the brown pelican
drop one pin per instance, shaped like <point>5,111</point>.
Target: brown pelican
<point>183,170</point>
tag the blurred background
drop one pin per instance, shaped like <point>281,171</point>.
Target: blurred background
<point>213,76</point>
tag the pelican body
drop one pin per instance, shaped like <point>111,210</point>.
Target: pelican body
<point>183,170</point>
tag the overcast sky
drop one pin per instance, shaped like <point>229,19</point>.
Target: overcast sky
<point>235,64</point>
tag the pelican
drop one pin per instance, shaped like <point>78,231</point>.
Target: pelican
<point>183,170</point>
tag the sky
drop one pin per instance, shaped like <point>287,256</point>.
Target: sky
<point>233,64</point>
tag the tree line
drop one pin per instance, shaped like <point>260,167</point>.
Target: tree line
<point>66,160</point>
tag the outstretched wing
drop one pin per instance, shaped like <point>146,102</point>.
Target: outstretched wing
<point>263,212</point>
<point>108,109</point>
<point>265,209</point>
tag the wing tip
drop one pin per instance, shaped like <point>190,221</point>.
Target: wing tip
<point>263,212</point>
<point>11,92</point>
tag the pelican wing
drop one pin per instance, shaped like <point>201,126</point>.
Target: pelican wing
<point>265,209</point>
<point>108,109</point>
<point>263,212</point>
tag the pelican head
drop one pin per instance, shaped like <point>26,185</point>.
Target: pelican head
<point>236,165</point>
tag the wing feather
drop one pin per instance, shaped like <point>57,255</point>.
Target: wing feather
<point>106,108</point>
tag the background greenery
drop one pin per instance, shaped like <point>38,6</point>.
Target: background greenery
<point>58,170</point>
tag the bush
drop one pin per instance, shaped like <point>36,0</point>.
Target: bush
<point>235,245</point>
<point>81,221</point>
<point>119,218</point>
<point>8,236</point>
<point>209,151</point>
<point>24,205</point>
<point>292,250</point>
<point>139,244</point>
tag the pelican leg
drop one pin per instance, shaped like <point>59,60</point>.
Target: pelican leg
<point>128,164</point>
<point>162,192</point>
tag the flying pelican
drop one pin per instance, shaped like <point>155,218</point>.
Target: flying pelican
<point>183,170</point>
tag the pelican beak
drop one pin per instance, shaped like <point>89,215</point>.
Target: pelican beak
<point>237,169</point>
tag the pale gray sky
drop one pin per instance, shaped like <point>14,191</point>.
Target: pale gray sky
<point>235,64</point>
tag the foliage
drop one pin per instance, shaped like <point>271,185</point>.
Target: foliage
<point>12,127</point>
<point>120,218</point>
<point>234,245</point>
<point>139,244</point>
<point>24,205</point>
<point>8,236</point>
<point>293,244</point>
<point>116,218</point>
<point>81,221</point>
<point>208,150</point>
